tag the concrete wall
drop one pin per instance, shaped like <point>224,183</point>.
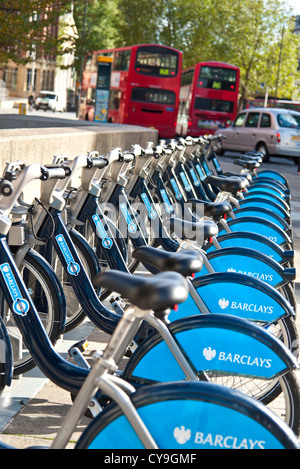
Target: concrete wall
<point>38,139</point>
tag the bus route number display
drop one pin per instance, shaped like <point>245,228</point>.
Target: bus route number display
<point>102,89</point>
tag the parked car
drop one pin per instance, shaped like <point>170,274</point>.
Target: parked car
<point>50,100</point>
<point>274,132</point>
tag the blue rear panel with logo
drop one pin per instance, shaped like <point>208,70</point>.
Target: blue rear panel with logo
<point>191,424</point>
<point>233,299</point>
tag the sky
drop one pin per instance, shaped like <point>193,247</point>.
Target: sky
<point>295,4</point>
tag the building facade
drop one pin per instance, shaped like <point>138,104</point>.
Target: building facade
<point>42,72</point>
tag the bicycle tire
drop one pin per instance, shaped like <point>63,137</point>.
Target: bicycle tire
<point>38,276</point>
<point>203,409</point>
<point>289,293</point>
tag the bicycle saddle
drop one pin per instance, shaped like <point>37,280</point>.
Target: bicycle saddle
<point>245,175</point>
<point>230,184</point>
<point>212,209</point>
<point>185,262</point>
<point>158,292</point>
<point>191,229</point>
<point>247,164</point>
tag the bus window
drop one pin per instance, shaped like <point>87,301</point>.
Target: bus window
<point>114,99</point>
<point>156,61</point>
<point>153,96</point>
<point>187,77</point>
<point>217,78</point>
<point>121,60</point>
<point>214,105</point>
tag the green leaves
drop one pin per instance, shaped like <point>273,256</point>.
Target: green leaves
<point>26,27</point>
<point>256,35</point>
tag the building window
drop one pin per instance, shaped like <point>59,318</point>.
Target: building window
<point>29,80</point>
<point>10,78</point>
<point>48,80</point>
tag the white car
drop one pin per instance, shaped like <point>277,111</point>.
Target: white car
<point>274,132</point>
<point>50,100</point>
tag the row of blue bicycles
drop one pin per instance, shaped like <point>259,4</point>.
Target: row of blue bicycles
<point>187,267</point>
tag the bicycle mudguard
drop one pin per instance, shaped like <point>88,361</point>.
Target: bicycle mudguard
<point>257,202</point>
<point>265,213</point>
<point>249,262</point>
<point>236,295</point>
<point>191,415</point>
<point>267,196</point>
<point>272,174</point>
<point>270,188</point>
<point>259,225</point>
<point>274,182</point>
<point>6,357</point>
<point>212,342</point>
<point>252,241</point>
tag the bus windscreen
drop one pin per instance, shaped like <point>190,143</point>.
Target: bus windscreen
<point>217,78</point>
<point>156,61</point>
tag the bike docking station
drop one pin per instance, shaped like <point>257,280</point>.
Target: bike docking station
<point>201,342</point>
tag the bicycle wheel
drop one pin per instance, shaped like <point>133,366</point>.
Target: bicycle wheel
<point>190,415</point>
<point>214,351</point>
<point>47,296</point>
<point>75,313</point>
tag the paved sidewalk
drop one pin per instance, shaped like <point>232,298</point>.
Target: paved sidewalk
<point>39,416</point>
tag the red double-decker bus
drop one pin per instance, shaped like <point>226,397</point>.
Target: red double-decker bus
<point>144,86</point>
<point>208,98</point>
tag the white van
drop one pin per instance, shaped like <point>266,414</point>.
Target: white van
<point>50,100</point>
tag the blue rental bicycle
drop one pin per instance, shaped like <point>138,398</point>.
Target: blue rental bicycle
<point>232,256</point>
<point>41,281</point>
<point>168,336</point>
<point>131,421</point>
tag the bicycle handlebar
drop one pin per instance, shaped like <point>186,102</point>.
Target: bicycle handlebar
<point>54,172</point>
<point>126,157</point>
<point>6,187</point>
<point>99,162</point>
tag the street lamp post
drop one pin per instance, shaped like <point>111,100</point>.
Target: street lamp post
<point>279,61</point>
<point>81,57</point>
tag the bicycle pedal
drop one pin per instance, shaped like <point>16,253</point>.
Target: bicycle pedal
<point>76,353</point>
<point>132,347</point>
<point>82,345</point>
<point>94,408</point>
<point>118,304</point>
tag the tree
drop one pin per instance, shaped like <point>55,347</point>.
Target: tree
<point>246,33</point>
<point>97,25</point>
<point>26,27</point>
<point>249,34</point>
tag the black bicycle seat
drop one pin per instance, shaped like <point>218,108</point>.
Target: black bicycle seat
<point>230,184</point>
<point>211,209</point>
<point>157,292</point>
<point>203,229</point>
<point>185,262</point>
<point>247,164</point>
<point>245,175</point>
